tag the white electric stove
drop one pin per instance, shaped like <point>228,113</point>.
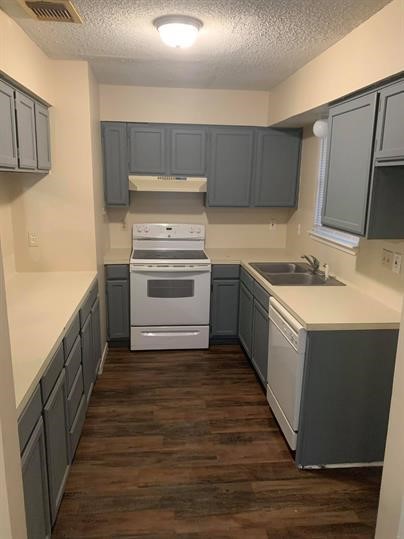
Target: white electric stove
<point>169,287</point>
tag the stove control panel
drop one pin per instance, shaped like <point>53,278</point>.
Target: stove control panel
<point>168,231</point>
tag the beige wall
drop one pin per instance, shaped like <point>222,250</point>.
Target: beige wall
<point>364,270</point>
<point>225,227</point>
<point>12,514</point>
<point>391,506</point>
<point>371,52</point>
<point>183,105</point>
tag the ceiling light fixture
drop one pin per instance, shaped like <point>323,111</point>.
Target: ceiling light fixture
<point>178,31</point>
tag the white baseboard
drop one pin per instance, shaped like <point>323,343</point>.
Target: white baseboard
<point>103,358</point>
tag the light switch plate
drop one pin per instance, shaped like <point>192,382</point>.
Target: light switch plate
<point>387,258</point>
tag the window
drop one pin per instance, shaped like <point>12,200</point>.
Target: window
<point>342,240</point>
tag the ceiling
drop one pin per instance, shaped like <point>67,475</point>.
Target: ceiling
<point>244,44</point>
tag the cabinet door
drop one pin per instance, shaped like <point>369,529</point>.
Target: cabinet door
<point>188,151</point>
<point>8,138</point>
<point>25,114</point>
<point>245,318</point>
<point>118,309</point>
<point>35,483</point>
<point>224,307</point>
<point>390,124</point>
<point>42,137</point>
<point>277,167</point>
<point>96,329</point>
<point>87,356</point>
<point>260,341</point>
<point>230,167</point>
<point>116,187</point>
<point>147,149</point>
<point>349,161</point>
<point>57,443</point>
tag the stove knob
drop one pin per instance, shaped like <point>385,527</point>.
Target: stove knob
<point>146,229</point>
<point>198,230</point>
<point>191,230</point>
<point>139,228</point>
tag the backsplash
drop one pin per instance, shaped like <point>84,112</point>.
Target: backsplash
<point>225,227</point>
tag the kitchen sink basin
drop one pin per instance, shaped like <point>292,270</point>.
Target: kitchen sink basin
<point>292,274</point>
<point>280,267</point>
<point>301,279</point>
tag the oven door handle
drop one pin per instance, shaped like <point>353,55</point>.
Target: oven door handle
<point>170,269</point>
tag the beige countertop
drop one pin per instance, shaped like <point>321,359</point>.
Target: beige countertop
<point>315,307</point>
<point>40,308</point>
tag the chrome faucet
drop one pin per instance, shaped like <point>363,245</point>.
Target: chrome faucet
<point>313,262</point>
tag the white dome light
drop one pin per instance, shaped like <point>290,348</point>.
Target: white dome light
<point>178,31</point>
<point>320,128</point>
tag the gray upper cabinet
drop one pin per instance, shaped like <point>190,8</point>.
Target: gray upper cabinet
<point>277,167</point>
<point>35,484</point>
<point>57,443</point>
<point>26,132</point>
<point>147,149</point>
<point>245,322</point>
<point>390,124</point>
<point>188,151</point>
<point>42,137</point>
<point>349,158</point>
<point>8,139</point>
<point>231,166</point>
<point>114,138</point>
<point>224,308</point>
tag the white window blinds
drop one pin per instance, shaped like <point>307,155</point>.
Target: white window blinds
<point>348,241</point>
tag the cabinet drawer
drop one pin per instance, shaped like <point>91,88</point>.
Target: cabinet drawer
<point>73,400</point>
<point>246,278</point>
<point>73,363</point>
<point>77,427</point>
<point>29,417</point>
<point>71,335</point>
<point>52,373</point>
<point>225,271</point>
<point>261,295</point>
<point>117,271</point>
<point>86,308</point>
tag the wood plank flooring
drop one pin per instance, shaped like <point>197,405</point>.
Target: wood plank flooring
<point>183,445</point>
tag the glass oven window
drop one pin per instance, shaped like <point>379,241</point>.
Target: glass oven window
<point>170,288</point>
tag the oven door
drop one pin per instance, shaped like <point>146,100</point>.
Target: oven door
<point>170,297</point>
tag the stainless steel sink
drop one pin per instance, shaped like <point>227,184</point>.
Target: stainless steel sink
<point>292,274</point>
<point>301,279</point>
<point>280,267</point>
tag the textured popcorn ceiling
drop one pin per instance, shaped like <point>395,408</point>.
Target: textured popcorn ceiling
<point>244,44</point>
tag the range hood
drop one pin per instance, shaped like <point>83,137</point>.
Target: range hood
<point>165,184</point>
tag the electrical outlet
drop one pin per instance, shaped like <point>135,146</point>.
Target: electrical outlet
<point>396,263</point>
<point>387,258</point>
<point>33,239</point>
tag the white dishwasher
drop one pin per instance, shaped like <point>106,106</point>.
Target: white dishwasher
<point>286,354</point>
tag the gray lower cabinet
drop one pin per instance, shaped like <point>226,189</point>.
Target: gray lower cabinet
<point>230,166</point>
<point>35,484</point>
<point>57,443</point>
<point>349,158</point>
<point>188,151</point>
<point>96,329</point>
<point>87,356</point>
<point>115,154</point>
<point>117,292</point>
<point>245,319</point>
<point>26,132</point>
<point>277,167</point>
<point>259,353</point>
<point>224,308</point>
<point>8,135</point>
<point>147,149</point>
<point>389,144</point>
<point>42,137</point>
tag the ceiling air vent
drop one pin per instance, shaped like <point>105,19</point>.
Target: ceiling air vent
<point>56,11</point>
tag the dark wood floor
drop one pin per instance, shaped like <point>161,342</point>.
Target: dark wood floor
<point>183,445</point>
